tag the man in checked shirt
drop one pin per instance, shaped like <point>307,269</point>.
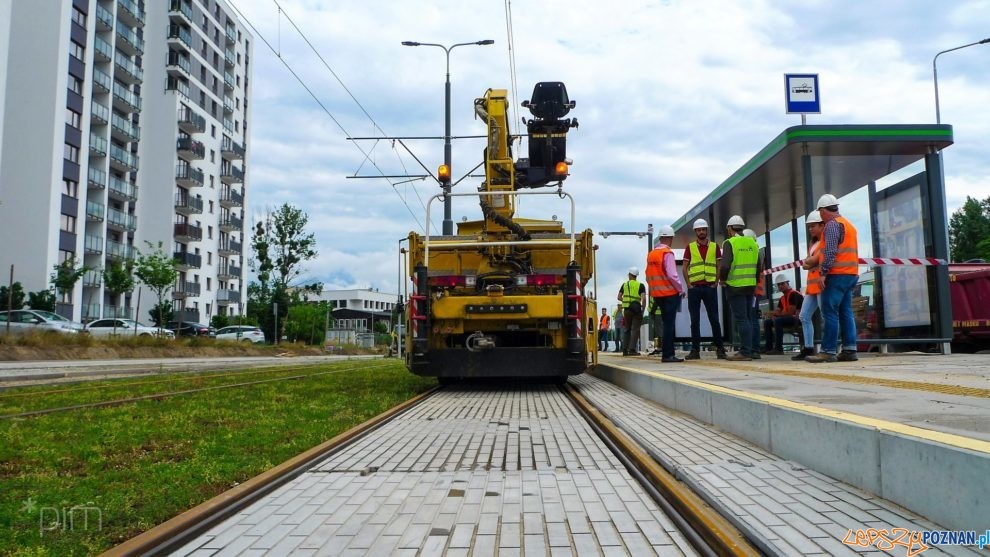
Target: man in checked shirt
<point>840,269</point>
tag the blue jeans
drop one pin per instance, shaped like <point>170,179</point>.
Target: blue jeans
<point>668,314</point>
<point>837,310</point>
<point>773,328</point>
<point>808,308</point>
<point>743,311</point>
<point>708,295</point>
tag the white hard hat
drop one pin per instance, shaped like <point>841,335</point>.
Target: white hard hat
<point>814,217</point>
<point>826,200</point>
<point>749,233</point>
<point>735,220</point>
<point>781,278</point>
<point>666,231</point>
<point>634,271</point>
<point>700,223</point>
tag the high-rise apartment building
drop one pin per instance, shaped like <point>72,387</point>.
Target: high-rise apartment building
<point>125,122</point>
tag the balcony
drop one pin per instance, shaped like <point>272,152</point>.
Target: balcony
<point>98,113</point>
<point>229,248</point>
<point>231,150</point>
<point>230,223</point>
<point>228,125</point>
<point>122,160</point>
<point>97,178</point>
<point>185,260</point>
<point>186,314</point>
<point>184,289</point>
<point>188,205</point>
<point>180,12</point>
<point>189,149</point>
<point>173,83</point>
<point>128,41</point>
<point>126,70</point>
<point>116,250</point>
<point>231,198</point>
<point>123,130</point>
<point>185,232</point>
<point>104,18</point>
<point>227,296</point>
<point>188,176</point>
<point>92,279</point>
<point>229,272</point>
<point>228,57</point>
<point>102,51</point>
<point>129,12</point>
<point>228,80</point>
<point>190,122</point>
<point>118,312</point>
<point>91,312</point>
<point>177,64</point>
<point>124,99</point>
<point>231,34</point>
<point>231,175</point>
<point>95,211</point>
<point>119,220</point>
<point>228,104</point>
<point>102,81</point>
<point>122,190</point>
<point>179,36</point>
<point>97,146</point>
<point>94,244</point>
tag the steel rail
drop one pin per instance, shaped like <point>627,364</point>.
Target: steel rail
<point>159,396</point>
<point>702,526</point>
<point>181,529</point>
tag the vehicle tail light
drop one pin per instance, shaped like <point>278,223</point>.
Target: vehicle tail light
<point>543,280</point>
<point>448,281</point>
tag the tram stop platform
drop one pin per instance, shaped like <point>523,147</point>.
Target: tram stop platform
<point>909,430</point>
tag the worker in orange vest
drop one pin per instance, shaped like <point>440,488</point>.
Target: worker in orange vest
<point>666,289</point>
<point>603,325</point>
<point>784,316</point>
<point>813,289</point>
<point>840,269</point>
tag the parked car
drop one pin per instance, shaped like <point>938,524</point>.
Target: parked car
<point>106,327</point>
<point>26,320</point>
<point>188,329</point>
<point>244,333</point>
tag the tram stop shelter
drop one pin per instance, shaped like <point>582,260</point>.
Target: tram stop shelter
<point>889,182</point>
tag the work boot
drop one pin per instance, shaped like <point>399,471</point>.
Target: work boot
<point>804,353</point>
<point>847,356</point>
<point>720,353</point>
<point>672,360</point>
<point>693,355</point>
<point>821,357</point>
<point>755,356</point>
<point>738,357</point>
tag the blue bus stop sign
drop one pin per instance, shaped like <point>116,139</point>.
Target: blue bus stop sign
<point>801,94</point>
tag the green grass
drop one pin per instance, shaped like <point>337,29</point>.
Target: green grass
<point>143,463</point>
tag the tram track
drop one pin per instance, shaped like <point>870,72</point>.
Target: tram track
<point>465,434</point>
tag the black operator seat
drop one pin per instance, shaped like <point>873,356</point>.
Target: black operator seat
<point>547,134</point>
<point>549,101</point>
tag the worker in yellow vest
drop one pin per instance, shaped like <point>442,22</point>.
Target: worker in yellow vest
<point>738,269</point>
<point>813,289</point>
<point>666,290</point>
<point>632,294</point>
<point>701,270</point>
<point>840,269</point>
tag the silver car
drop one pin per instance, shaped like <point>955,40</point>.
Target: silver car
<point>27,320</point>
<point>244,333</point>
<point>125,327</point>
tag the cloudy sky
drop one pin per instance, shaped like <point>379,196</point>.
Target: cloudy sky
<point>672,97</point>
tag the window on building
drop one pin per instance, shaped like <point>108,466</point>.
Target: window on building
<point>213,131</point>
<point>202,74</point>
<point>76,84</point>
<point>238,81</point>
<point>209,308</point>
<point>213,155</point>
<point>68,223</point>
<point>202,98</point>
<point>211,181</point>
<point>73,118</point>
<point>64,256</point>
<point>71,153</point>
<point>209,255</point>
<point>238,58</point>
<point>78,17</point>
<point>237,126</point>
<point>77,50</point>
<point>211,207</point>
<point>209,232</point>
<point>70,188</point>
<point>209,284</point>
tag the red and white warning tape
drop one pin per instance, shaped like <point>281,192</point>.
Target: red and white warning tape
<point>871,261</point>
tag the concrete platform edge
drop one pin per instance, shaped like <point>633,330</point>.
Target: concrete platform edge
<point>942,482</point>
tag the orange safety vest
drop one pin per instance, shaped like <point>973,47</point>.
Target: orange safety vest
<point>785,301</point>
<point>604,322</point>
<point>847,258</point>
<point>815,274</point>
<point>759,286</point>
<point>660,284</point>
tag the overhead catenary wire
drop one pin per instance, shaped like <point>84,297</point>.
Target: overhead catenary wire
<point>328,113</point>
<point>510,41</point>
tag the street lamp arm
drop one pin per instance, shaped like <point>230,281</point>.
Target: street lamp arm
<point>938,115</point>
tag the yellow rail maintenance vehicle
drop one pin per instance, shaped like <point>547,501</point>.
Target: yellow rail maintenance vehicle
<point>505,296</point>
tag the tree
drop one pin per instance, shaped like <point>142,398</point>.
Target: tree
<point>42,299</point>
<point>281,245</point>
<point>160,313</point>
<point>118,278</point>
<point>16,294</point>
<point>157,271</point>
<point>969,226</point>
<point>65,275</point>
<point>307,322</point>
<point>219,321</point>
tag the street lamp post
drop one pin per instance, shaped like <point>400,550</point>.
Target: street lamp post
<point>448,224</point>
<point>938,114</point>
